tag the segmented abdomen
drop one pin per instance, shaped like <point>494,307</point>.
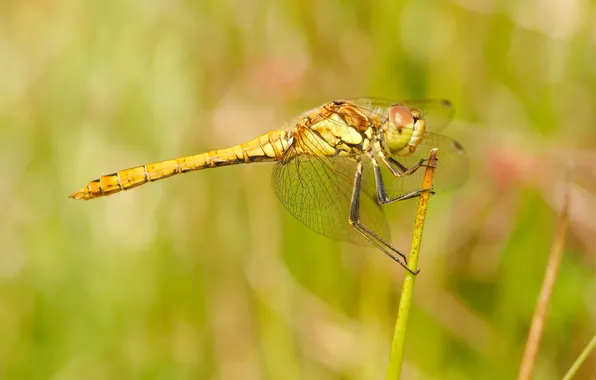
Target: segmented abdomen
<point>267,147</point>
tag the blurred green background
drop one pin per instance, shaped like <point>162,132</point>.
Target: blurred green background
<point>206,276</point>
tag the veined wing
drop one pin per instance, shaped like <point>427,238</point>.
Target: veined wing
<point>317,190</point>
<point>437,113</point>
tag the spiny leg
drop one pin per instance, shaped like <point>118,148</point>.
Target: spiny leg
<point>398,172</point>
<point>401,170</point>
<point>367,233</point>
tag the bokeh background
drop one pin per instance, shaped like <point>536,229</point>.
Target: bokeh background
<point>206,276</point>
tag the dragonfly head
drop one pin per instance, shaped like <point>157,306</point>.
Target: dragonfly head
<point>403,130</point>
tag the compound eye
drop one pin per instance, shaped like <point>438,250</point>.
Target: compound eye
<point>401,116</point>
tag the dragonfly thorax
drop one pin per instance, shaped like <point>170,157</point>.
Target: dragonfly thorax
<point>403,131</point>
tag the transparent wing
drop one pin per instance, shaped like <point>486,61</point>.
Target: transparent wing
<point>452,167</point>
<point>317,191</point>
<point>437,113</point>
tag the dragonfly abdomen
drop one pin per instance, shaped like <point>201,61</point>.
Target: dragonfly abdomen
<point>268,147</point>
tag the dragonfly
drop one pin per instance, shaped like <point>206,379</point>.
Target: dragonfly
<point>337,165</point>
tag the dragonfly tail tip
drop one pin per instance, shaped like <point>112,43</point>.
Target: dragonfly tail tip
<point>79,194</point>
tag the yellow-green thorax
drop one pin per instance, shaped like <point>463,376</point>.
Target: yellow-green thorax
<point>339,128</point>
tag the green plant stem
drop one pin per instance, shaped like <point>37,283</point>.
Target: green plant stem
<point>548,284</point>
<point>405,302</point>
<point>582,358</point>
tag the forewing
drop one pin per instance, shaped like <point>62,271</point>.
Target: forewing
<point>437,113</point>
<point>317,190</point>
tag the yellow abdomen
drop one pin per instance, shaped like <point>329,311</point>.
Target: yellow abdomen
<point>267,147</point>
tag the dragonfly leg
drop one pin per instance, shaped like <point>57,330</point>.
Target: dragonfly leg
<point>369,235</point>
<point>399,169</point>
<point>380,184</point>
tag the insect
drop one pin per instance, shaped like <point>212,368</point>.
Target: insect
<point>336,165</point>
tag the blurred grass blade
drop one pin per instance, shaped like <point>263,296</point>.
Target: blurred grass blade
<point>550,277</point>
<point>405,302</point>
<point>581,358</point>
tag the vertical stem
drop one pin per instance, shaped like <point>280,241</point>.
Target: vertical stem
<point>405,302</point>
<point>548,284</point>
